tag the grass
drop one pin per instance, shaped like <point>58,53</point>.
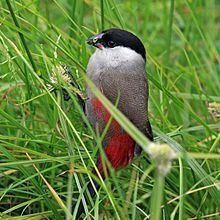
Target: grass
<point>46,151</point>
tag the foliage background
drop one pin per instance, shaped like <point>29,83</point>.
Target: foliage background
<point>40,128</point>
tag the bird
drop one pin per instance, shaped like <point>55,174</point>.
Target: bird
<point>117,68</point>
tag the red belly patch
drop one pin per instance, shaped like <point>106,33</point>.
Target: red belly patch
<point>120,148</point>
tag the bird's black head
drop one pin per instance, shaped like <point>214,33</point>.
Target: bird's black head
<point>116,37</point>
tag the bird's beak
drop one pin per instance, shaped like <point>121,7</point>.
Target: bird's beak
<point>96,41</point>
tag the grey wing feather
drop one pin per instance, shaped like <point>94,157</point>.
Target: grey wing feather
<point>132,91</point>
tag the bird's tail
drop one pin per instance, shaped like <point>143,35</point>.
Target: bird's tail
<point>92,190</point>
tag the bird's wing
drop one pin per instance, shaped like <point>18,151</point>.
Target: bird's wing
<point>131,90</point>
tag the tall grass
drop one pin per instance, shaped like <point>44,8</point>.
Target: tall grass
<point>47,147</point>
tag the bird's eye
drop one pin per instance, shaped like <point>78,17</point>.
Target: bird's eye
<point>111,43</point>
